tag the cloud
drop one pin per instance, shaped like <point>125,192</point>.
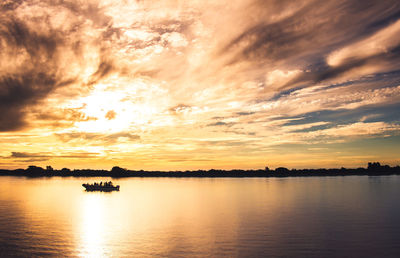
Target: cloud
<point>349,131</point>
<point>104,69</point>
<point>33,81</point>
<point>58,118</point>
<point>147,78</point>
<point>33,157</point>
<point>28,155</point>
<point>97,138</point>
<point>218,124</point>
<point>296,44</point>
<point>245,113</point>
<point>111,115</point>
<point>41,54</point>
<point>181,108</point>
<point>306,26</point>
<point>382,41</point>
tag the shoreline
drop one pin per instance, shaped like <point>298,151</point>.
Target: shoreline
<point>373,169</point>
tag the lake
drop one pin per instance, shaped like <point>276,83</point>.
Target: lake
<point>352,216</point>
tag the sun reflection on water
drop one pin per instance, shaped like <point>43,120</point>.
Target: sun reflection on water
<point>225,217</point>
<point>93,226</point>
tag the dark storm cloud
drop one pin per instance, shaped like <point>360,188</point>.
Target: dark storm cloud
<point>325,72</point>
<point>311,31</point>
<point>35,79</point>
<point>369,113</point>
<point>35,51</point>
<point>18,92</point>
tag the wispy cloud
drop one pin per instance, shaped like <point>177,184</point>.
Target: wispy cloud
<point>141,78</point>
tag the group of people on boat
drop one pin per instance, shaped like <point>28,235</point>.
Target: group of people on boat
<point>102,186</point>
<point>105,184</point>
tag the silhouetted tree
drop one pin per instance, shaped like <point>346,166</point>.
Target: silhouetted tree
<point>374,165</point>
<point>281,170</point>
<point>117,171</point>
<point>65,171</point>
<point>35,171</point>
<point>373,169</point>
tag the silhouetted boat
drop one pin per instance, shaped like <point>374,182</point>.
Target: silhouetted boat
<point>104,187</point>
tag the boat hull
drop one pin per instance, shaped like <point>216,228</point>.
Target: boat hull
<point>91,188</point>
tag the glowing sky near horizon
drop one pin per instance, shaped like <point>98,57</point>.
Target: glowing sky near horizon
<point>165,85</point>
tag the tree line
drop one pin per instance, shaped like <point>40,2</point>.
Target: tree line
<point>373,169</point>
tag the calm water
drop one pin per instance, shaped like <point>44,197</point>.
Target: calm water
<point>307,217</point>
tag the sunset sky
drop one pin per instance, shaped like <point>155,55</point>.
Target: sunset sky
<point>176,85</point>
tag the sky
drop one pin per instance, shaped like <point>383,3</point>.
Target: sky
<point>187,85</point>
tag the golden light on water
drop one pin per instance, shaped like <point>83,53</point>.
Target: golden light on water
<point>93,227</point>
<point>199,216</point>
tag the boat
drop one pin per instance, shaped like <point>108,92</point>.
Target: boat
<point>103,187</point>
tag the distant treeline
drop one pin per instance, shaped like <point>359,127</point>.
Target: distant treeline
<point>373,169</point>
